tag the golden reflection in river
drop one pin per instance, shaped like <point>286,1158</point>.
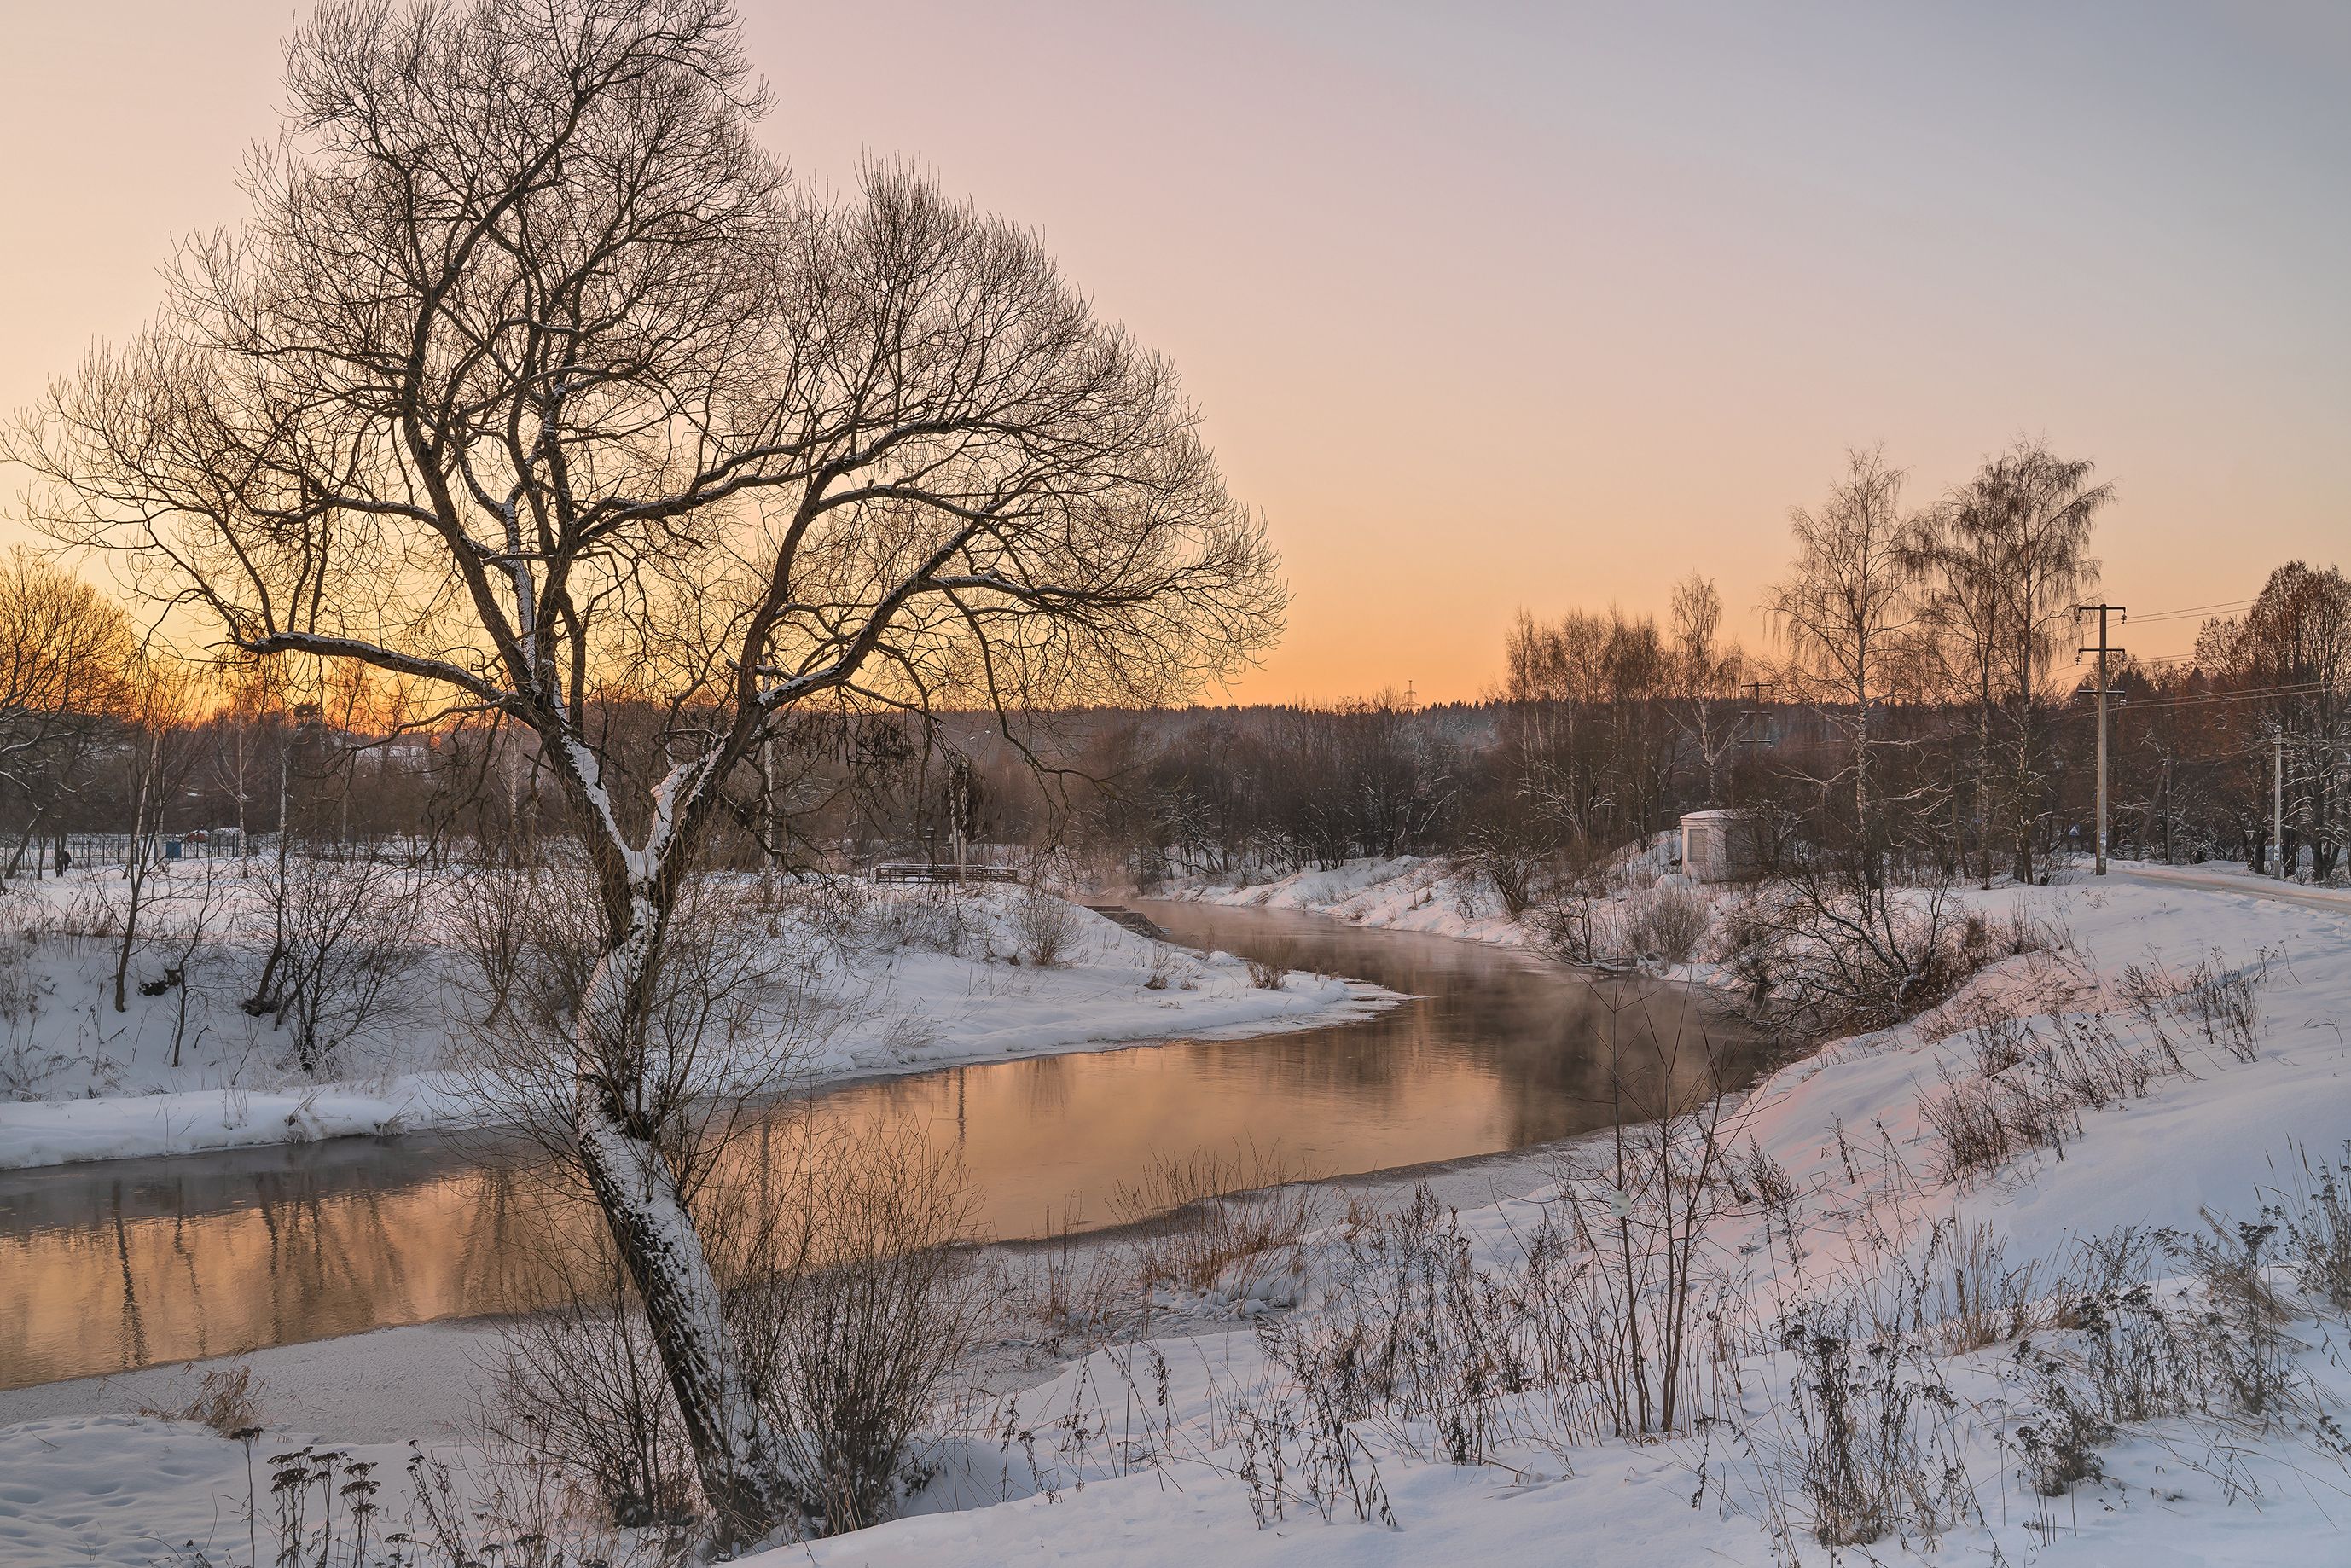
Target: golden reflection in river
<point>104,1268</point>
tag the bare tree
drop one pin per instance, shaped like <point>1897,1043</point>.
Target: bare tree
<point>65,652</point>
<point>2012,549</point>
<point>1706,671</point>
<point>532,378</point>
<point>2293,646</point>
<point>158,758</point>
<point>1847,611</point>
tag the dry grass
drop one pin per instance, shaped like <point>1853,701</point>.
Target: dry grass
<point>228,1400</point>
<point>2029,1083</point>
<point>1213,1222</point>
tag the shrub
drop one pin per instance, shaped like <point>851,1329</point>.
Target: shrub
<point>581,1385</point>
<point>1823,952</point>
<point>1045,926</point>
<point>847,1296</point>
<point>854,1307</point>
<point>1667,924</point>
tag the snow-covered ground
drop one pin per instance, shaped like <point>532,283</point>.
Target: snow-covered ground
<point>886,980</point>
<point>1171,1451</point>
<point>1184,1476</point>
<point>1402,893</point>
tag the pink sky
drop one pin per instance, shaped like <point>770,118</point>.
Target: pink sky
<point>1501,306</point>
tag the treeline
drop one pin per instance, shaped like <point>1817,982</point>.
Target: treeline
<point>1926,707</point>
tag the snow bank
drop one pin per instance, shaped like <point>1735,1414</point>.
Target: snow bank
<point>1406,893</point>
<point>918,979</point>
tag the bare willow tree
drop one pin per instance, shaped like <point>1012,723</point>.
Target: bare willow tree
<point>531,377</point>
<point>1847,612</point>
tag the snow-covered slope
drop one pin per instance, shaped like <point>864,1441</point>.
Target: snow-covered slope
<point>1870,1187</point>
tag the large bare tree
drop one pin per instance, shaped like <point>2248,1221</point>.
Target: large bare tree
<point>532,377</point>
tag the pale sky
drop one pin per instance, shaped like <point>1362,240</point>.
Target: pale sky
<point>1492,306</point>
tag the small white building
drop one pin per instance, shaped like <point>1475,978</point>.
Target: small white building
<point>1716,846</point>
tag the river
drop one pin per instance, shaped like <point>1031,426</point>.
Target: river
<point>131,1264</point>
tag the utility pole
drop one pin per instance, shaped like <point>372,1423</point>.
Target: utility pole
<point>2102,650</point>
<point>2166,808</point>
<point>2277,802</point>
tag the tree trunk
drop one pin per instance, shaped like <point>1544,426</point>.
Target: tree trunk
<point>737,1456</point>
<point>2022,803</point>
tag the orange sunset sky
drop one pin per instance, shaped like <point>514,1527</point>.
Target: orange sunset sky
<point>1493,305</point>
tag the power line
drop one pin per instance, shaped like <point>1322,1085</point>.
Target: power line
<point>2201,699</point>
<point>2185,612</point>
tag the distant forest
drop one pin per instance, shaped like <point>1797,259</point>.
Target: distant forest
<point>1605,728</point>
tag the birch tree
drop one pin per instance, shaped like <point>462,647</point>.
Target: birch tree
<point>2040,510</point>
<point>531,377</point>
<point>1706,669</point>
<point>1846,613</point>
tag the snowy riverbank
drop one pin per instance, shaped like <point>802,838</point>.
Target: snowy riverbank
<point>1955,1278</point>
<point>881,982</point>
<point>1871,1204</point>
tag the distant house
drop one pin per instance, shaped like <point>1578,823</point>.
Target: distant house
<point>1717,846</point>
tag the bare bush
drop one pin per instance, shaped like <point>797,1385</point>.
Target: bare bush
<point>853,1304</point>
<point>580,1384</point>
<point>1045,926</point>
<point>1503,859</point>
<point>847,1295</point>
<point>343,951</point>
<point>1823,953</point>
<point>1668,923</point>
<point>926,919</point>
<point>493,912</point>
<point>1267,976</point>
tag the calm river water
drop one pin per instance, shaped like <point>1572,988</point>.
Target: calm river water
<point>134,1262</point>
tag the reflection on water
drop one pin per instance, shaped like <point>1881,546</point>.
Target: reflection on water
<point>131,1264</point>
